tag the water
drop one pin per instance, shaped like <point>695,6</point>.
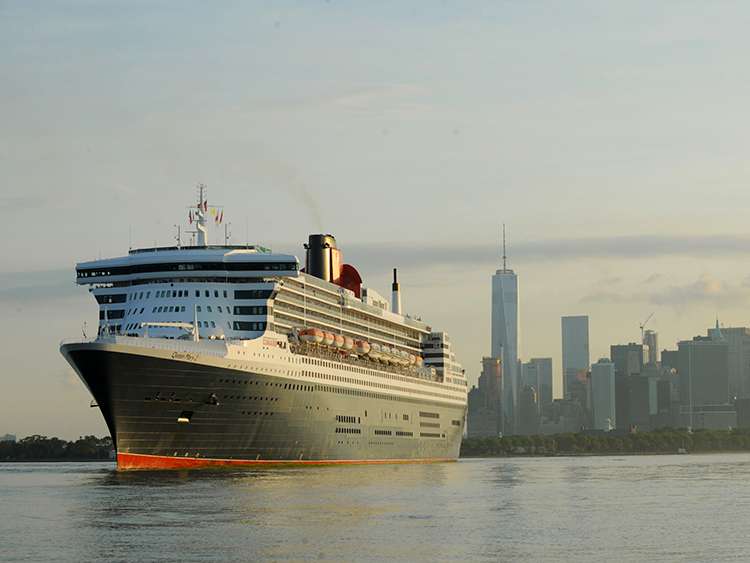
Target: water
<point>655,508</point>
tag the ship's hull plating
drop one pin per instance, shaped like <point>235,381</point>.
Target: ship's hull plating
<point>164,413</point>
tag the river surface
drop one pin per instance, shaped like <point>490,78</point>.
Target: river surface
<point>644,508</point>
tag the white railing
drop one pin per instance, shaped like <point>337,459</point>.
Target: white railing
<point>216,348</point>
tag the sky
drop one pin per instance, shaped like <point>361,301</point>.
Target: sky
<point>610,137</point>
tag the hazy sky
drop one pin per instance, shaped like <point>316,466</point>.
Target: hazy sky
<point>611,137</point>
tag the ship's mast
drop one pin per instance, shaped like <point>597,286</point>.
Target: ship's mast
<point>200,217</point>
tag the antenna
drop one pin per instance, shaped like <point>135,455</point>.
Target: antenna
<point>227,233</point>
<point>505,258</point>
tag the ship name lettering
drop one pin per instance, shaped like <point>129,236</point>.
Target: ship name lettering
<point>184,356</point>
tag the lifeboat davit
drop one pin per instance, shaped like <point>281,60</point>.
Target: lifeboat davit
<point>348,343</point>
<point>404,357</point>
<point>328,338</point>
<point>338,340</point>
<point>390,355</point>
<point>362,347</point>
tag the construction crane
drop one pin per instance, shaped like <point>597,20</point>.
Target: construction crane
<point>643,326</point>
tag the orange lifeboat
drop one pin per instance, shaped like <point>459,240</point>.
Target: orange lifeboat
<point>338,340</point>
<point>362,347</point>
<point>348,343</point>
<point>328,338</point>
<point>314,335</point>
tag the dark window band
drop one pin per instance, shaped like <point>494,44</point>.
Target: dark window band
<point>111,298</point>
<point>240,325</point>
<point>188,267</point>
<point>252,294</point>
<point>255,310</point>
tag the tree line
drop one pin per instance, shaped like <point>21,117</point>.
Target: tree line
<point>665,440</point>
<point>39,448</point>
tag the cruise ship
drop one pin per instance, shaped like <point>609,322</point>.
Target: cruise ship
<point>236,355</point>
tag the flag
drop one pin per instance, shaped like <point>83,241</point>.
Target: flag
<point>221,217</point>
<point>213,211</point>
<point>190,217</point>
<point>205,206</point>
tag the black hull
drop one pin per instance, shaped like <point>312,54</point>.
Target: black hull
<point>160,408</point>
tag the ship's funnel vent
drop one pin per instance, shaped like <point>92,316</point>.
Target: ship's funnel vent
<point>323,259</point>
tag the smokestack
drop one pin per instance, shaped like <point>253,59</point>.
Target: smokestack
<point>395,295</point>
<point>321,254</point>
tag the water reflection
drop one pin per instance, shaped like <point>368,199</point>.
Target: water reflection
<point>583,509</point>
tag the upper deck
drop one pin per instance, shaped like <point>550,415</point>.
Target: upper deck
<point>204,261</point>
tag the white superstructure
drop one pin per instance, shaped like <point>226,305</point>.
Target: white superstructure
<point>247,308</point>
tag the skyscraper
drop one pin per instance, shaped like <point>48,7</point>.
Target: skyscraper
<point>603,394</point>
<point>651,339</point>
<point>738,340</point>
<point>537,372</point>
<point>575,350</point>
<point>505,332</point>
<point>485,416</point>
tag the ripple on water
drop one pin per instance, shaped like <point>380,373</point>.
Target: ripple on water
<point>656,508</point>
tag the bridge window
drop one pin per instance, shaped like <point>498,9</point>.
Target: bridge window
<point>241,325</point>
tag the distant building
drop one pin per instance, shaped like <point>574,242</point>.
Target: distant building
<point>651,341</point>
<point>537,372</point>
<point>528,408</point>
<point>713,417</point>
<point>738,341</point>
<point>631,394</point>
<point>505,332</point>
<point>603,395</point>
<point>629,359</point>
<point>575,349</point>
<point>562,416</point>
<point>8,438</point>
<point>743,413</point>
<point>485,408</point>
<point>703,371</point>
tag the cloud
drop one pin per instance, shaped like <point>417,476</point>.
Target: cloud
<point>704,290</point>
<point>37,286</point>
<point>623,247</point>
<point>21,202</point>
<point>608,297</point>
<point>393,96</point>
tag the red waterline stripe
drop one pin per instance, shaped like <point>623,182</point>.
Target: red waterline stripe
<point>146,461</point>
